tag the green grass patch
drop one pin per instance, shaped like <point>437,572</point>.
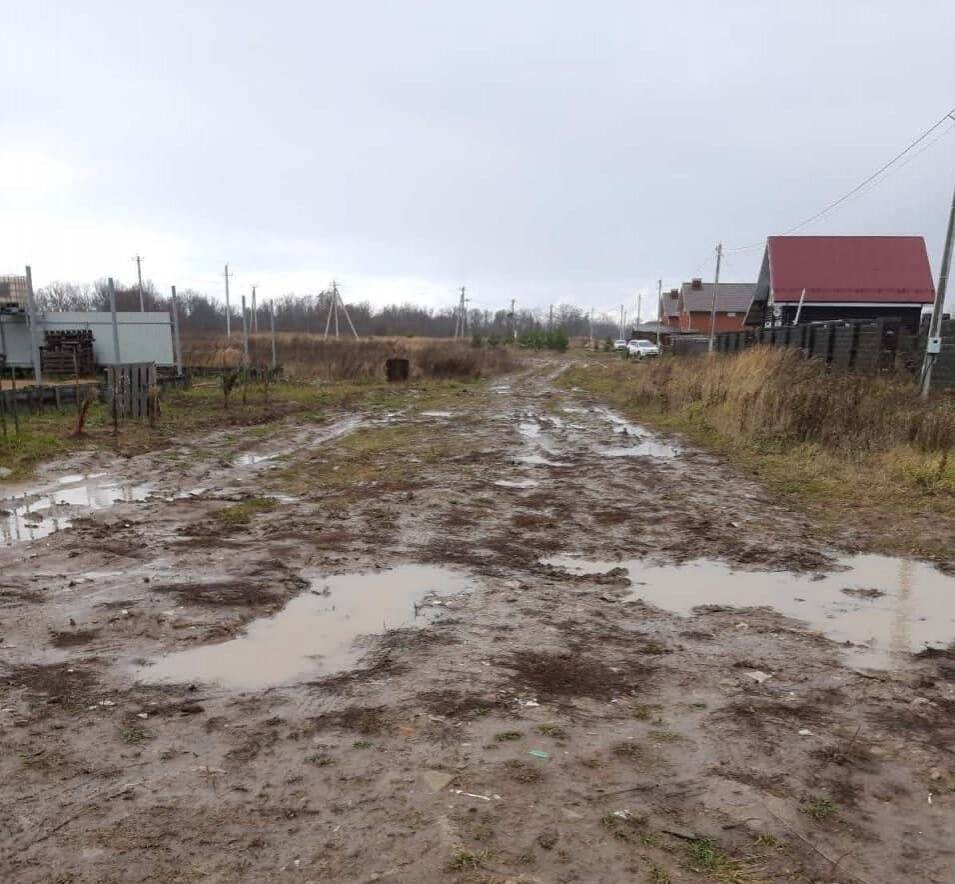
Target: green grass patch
<point>242,513</point>
<point>507,736</point>
<point>821,808</point>
<point>703,856</point>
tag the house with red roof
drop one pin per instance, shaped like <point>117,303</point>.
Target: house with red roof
<point>824,278</point>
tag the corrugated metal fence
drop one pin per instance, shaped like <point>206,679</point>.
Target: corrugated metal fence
<point>866,346</point>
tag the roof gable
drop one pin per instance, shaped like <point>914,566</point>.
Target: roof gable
<point>890,269</point>
<point>731,297</point>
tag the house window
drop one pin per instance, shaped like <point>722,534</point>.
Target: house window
<point>730,314</point>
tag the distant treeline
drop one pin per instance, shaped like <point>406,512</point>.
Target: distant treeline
<point>198,313</point>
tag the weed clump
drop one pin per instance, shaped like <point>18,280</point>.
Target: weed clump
<point>821,808</point>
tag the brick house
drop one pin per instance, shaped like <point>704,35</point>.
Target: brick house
<point>733,299</point>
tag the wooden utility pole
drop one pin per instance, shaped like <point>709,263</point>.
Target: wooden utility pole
<point>139,273</point>
<point>933,344</point>
<point>228,311</point>
<point>621,322</point>
<point>716,286</point>
<point>255,314</point>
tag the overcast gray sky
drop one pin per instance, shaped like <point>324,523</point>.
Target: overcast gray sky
<point>546,151</point>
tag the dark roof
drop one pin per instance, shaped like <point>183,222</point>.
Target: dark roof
<point>731,297</point>
<point>891,269</point>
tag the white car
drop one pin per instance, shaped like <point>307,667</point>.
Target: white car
<point>642,349</point>
<point>620,344</point>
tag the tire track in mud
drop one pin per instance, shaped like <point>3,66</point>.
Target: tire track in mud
<point>653,731</point>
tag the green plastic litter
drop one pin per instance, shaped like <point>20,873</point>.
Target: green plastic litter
<point>539,753</point>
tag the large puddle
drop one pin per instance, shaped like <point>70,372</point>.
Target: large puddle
<point>31,513</point>
<point>884,607</point>
<point>644,443</point>
<point>315,632</point>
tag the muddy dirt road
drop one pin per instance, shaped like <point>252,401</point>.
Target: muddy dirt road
<point>496,635</point>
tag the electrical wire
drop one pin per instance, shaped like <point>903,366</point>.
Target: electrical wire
<point>950,116</point>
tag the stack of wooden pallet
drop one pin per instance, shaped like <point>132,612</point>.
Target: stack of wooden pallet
<point>68,351</point>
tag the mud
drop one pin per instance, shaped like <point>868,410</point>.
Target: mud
<point>473,700</point>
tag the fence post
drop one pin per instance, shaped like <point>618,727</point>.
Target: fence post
<point>13,399</point>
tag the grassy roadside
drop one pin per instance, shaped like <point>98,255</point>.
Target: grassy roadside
<point>202,409</point>
<point>862,456</point>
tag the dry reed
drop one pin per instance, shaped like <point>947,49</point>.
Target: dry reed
<point>774,397</point>
<point>307,355</point>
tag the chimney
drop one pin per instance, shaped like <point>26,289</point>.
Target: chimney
<point>696,284</point>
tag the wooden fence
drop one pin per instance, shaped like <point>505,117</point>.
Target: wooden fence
<point>130,388</point>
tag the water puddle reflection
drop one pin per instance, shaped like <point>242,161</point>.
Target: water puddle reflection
<point>250,459</point>
<point>315,632</point>
<point>516,483</point>
<point>31,513</point>
<point>535,460</point>
<point>885,607</point>
<point>647,448</point>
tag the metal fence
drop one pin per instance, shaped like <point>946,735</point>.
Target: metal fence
<point>864,346</point>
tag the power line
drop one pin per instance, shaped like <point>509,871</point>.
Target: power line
<point>862,184</point>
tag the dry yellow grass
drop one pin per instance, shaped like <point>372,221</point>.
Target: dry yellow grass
<point>854,449</point>
<point>309,355</point>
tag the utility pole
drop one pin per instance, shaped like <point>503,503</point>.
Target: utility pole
<point>34,331</point>
<point>112,310</point>
<point>591,328</point>
<point>659,308</point>
<point>933,345</point>
<point>139,272</point>
<point>245,336</point>
<point>177,345</point>
<point>639,307</point>
<point>228,311</point>
<point>513,320</point>
<point>716,286</point>
<point>333,305</point>
<point>621,321</point>
<point>255,313</point>
<point>272,324</point>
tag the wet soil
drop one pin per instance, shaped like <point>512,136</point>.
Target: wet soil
<point>515,638</point>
